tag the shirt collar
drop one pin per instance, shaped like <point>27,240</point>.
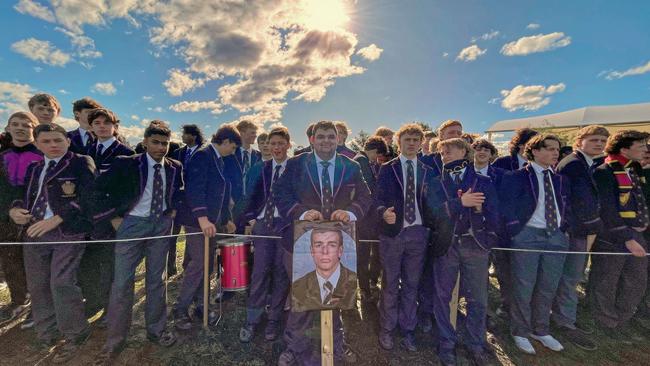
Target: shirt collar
<point>483,170</point>
<point>107,143</point>
<point>331,161</point>
<point>539,169</point>
<point>47,160</point>
<point>521,160</point>
<point>588,159</point>
<point>215,150</point>
<point>151,162</point>
<point>82,131</point>
<point>334,278</point>
<point>403,159</point>
<point>282,164</point>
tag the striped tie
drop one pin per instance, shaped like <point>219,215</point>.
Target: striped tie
<point>329,288</point>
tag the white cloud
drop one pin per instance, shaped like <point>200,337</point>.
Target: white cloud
<point>63,91</point>
<point>471,53</point>
<point>532,26</point>
<point>84,46</point>
<point>445,54</point>
<point>133,134</point>
<point>13,98</point>
<point>35,9</point>
<point>68,123</point>
<point>262,51</point>
<point>370,53</point>
<point>537,43</point>
<point>156,109</point>
<point>104,88</point>
<point>486,36</point>
<point>38,69</point>
<point>639,70</point>
<point>180,82</point>
<point>195,106</point>
<point>529,98</point>
<point>135,117</point>
<point>147,98</point>
<point>41,51</point>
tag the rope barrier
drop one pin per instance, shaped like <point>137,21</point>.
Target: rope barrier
<point>279,237</point>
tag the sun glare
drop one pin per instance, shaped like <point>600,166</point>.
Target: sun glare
<point>325,14</point>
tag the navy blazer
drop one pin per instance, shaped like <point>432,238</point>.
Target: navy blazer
<point>103,161</point>
<point>207,191</point>
<point>483,224</point>
<point>585,206</point>
<point>234,171</point>
<point>179,154</point>
<point>69,191</point>
<point>298,189</point>
<point>518,198</point>
<point>77,142</point>
<point>508,162</point>
<point>346,151</point>
<point>495,174</point>
<point>258,192</point>
<point>429,197</point>
<point>120,188</point>
<point>433,161</point>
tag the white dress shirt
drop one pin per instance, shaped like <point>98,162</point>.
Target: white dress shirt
<point>334,280</point>
<point>84,135</point>
<point>282,165</point>
<point>482,171</point>
<point>143,208</point>
<point>41,179</point>
<point>522,161</point>
<point>403,160</point>
<point>106,144</point>
<point>588,159</point>
<point>538,220</point>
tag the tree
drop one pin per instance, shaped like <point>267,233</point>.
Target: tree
<point>359,141</point>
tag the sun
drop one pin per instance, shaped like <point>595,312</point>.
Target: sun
<point>325,15</point>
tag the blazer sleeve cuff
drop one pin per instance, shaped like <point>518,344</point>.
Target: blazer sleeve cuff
<point>199,212</point>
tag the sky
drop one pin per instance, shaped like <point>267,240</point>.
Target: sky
<point>366,62</point>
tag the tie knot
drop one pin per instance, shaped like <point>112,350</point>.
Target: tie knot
<point>546,172</point>
<point>328,286</point>
<point>409,162</point>
<point>278,167</point>
<point>51,164</point>
<point>157,166</point>
<point>325,164</point>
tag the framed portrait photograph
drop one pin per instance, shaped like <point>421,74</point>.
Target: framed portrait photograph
<point>324,274</point>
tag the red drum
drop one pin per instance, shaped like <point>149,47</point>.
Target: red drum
<point>234,256</point>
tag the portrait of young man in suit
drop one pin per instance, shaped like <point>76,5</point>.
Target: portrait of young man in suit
<point>330,285</point>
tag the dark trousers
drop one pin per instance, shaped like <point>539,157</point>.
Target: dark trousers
<point>57,303</point>
<point>501,261</point>
<point>128,256</point>
<point>368,265</point>
<point>402,259</point>
<point>535,277</point>
<point>96,272</point>
<point>269,280</point>
<point>171,258</point>
<point>13,264</point>
<point>426,289</point>
<point>565,305</point>
<point>467,258</point>
<point>298,323</point>
<point>617,284</point>
<point>192,286</point>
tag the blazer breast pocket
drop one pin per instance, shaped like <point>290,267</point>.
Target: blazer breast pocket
<point>68,186</point>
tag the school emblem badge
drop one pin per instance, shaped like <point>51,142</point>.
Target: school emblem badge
<point>68,188</point>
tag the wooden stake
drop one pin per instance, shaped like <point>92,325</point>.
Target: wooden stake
<point>453,304</point>
<point>206,280</point>
<point>327,338</point>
